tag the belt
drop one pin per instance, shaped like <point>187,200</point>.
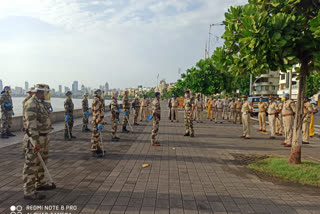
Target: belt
<point>262,111</point>
<point>286,115</point>
<point>43,134</point>
<point>272,114</point>
<point>144,106</point>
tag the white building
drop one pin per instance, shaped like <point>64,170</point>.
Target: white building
<point>284,84</point>
<point>266,84</point>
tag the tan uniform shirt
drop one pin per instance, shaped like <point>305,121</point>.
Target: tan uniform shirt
<point>272,109</point>
<point>246,107</point>
<point>225,103</point>
<point>238,105</point>
<point>199,104</point>
<point>288,108</point>
<point>262,107</point>
<point>232,106</point>
<point>174,103</point>
<point>219,105</point>
<point>308,108</point>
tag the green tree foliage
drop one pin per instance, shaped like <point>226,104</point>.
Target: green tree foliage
<point>271,35</point>
<point>313,84</point>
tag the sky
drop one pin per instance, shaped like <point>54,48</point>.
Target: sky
<point>123,42</point>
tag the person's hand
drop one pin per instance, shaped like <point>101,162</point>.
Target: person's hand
<point>8,105</point>
<point>150,117</point>
<point>87,113</point>
<point>119,111</point>
<point>12,113</point>
<point>125,113</point>
<point>51,109</point>
<point>67,118</point>
<point>36,149</point>
<point>100,127</point>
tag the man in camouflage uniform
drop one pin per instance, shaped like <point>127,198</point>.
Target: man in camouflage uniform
<point>97,122</point>
<point>30,93</point>
<point>6,112</point>
<point>115,111</point>
<point>136,109</point>
<point>68,110</point>
<point>238,107</point>
<point>188,112</point>
<point>47,101</point>
<point>126,111</point>
<point>225,112</point>
<point>199,107</point>
<point>143,108</point>
<point>156,116</point>
<point>308,110</point>
<point>37,126</point>
<point>85,113</point>
<point>288,112</point>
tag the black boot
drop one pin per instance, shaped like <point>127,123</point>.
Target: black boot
<point>4,136</point>
<point>115,139</point>
<point>35,196</point>
<point>187,134</point>
<point>9,134</point>
<point>46,187</point>
<point>87,130</point>
<point>124,129</point>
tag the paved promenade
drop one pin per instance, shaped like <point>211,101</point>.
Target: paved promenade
<point>185,175</point>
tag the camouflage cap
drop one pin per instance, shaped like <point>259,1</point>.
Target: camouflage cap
<point>68,93</point>
<point>97,91</point>
<point>30,90</point>
<point>41,87</point>
<point>86,94</point>
<point>7,88</point>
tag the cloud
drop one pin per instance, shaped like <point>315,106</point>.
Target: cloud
<point>125,42</point>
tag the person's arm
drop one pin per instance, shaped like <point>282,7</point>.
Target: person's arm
<point>32,126</point>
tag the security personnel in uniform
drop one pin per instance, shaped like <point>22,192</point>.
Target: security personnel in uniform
<point>30,93</point>
<point>136,109</point>
<point>272,110</point>
<point>211,105</point>
<point>188,112</point>
<point>156,116</point>
<point>97,122</point>
<point>262,115</point>
<point>38,126</point>
<point>225,104</point>
<point>232,107</point>
<point>288,112</point>
<point>307,110</point>
<point>126,111</point>
<point>85,113</point>
<point>238,107</point>
<point>315,110</point>
<point>199,107</point>
<point>143,108</point>
<point>279,117</point>
<point>219,111</point>
<point>115,111</point>
<point>246,110</point>
<point>174,109</point>
<point>68,111</point>
<point>6,112</point>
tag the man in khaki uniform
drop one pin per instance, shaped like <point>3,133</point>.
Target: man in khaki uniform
<point>262,115</point>
<point>213,108</point>
<point>232,107</point>
<point>188,112</point>
<point>199,107</point>
<point>246,111</point>
<point>143,108</point>
<point>136,109</point>
<point>174,108</point>
<point>156,116</point>
<point>272,110</point>
<point>238,107</point>
<point>288,112</point>
<point>219,110</point>
<point>225,112</point>
<point>308,110</point>
<point>37,128</point>
<point>279,117</point>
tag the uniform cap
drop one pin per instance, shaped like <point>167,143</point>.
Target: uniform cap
<point>187,91</point>
<point>41,87</point>
<point>97,91</point>
<point>7,88</point>
<point>86,94</point>
<point>286,95</point>
<point>157,94</point>
<point>30,90</point>
<point>68,93</point>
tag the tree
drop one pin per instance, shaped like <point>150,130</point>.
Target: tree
<point>271,35</point>
<point>313,84</point>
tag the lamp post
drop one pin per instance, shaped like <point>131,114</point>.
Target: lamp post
<point>211,25</point>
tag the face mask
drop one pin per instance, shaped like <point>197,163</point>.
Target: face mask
<point>47,96</point>
<point>101,96</point>
<point>185,95</point>
<point>9,91</point>
<point>70,96</point>
<point>239,99</point>
<point>278,101</point>
<point>260,101</point>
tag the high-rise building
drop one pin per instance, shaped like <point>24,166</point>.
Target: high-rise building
<point>75,87</point>
<point>66,89</point>
<point>26,85</point>
<point>60,89</point>
<point>106,86</point>
<point>1,86</point>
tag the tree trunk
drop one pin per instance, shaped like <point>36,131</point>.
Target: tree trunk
<point>295,155</point>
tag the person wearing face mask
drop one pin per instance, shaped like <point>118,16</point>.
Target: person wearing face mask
<point>279,117</point>
<point>156,116</point>
<point>115,111</point>
<point>238,106</point>
<point>36,140</point>
<point>85,113</point>
<point>225,111</point>
<point>262,115</point>
<point>6,112</point>
<point>232,107</point>
<point>188,114</point>
<point>174,109</point>
<point>199,106</point>
<point>315,110</point>
<point>30,93</point>
<point>272,110</point>
<point>126,111</point>
<point>288,112</point>
<point>68,111</point>
<point>219,110</point>
<point>246,110</point>
<point>308,110</point>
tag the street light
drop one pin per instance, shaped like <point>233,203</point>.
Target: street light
<point>212,25</point>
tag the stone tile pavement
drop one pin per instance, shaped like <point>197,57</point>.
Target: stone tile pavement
<point>186,175</point>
